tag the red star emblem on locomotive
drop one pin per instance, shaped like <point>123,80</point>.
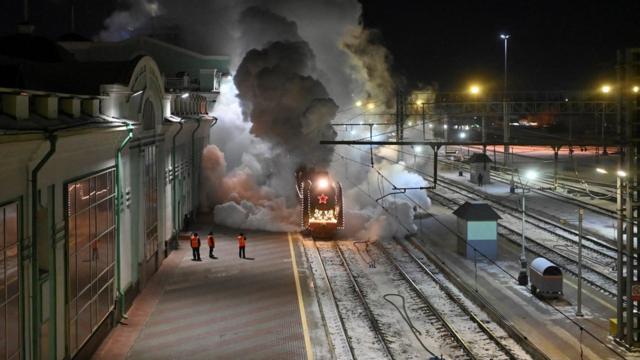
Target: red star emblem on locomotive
<point>322,199</point>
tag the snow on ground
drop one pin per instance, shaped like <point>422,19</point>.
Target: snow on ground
<point>471,332</point>
<point>379,281</point>
<point>359,330</point>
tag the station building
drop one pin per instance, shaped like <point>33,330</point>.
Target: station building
<point>100,164</point>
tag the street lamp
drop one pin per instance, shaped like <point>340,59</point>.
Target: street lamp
<point>605,89</point>
<point>475,91</point>
<point>620,177</point>
<point>523,278</point>
<point>505,121</point>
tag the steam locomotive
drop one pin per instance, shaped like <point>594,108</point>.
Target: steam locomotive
<point>321,205</point>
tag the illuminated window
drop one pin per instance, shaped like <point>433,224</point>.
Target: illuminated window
<point>91,248</point>
<point>9,280</point>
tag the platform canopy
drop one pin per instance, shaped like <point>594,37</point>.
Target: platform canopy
<point>476,211</point>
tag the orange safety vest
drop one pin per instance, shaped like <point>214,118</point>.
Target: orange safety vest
<point>195,242</point>
<point>242,241</point>
<point>211,241</point>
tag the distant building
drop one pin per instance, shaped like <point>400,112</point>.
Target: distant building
<point>100,164</point>
<point>480,169</point>
<point>478,229</point>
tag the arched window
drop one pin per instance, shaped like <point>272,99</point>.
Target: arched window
<point>148,116</point>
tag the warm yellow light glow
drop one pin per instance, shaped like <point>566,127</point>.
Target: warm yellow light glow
<point>605,89</point>
<point>601,171</point>
<point>371,106</point>
<point>635,89</point>
<point>419,102</point>
<point>358,103</point>
<point>474,89</point>
<point>621,173</point>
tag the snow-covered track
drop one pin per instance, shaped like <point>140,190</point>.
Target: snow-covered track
<point>595,272</point>
<point>468,329</point>
<point>346,294</point>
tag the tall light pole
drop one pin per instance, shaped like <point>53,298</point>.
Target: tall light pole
<point>605,89</point>
<point>620,184</point>
<point>505,120</point>
<point>523,278</point>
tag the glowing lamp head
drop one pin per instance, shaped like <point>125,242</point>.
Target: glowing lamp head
<point>621,173</point>
<point>323,183</point>
<point>474,89</point>
<point>358,103</point>
<point>418,149</point>
<point>371,106</point>
<point>601,171</point>
<point>504,36</point>
<point>531,175</point>
<point>636,89</point>
<point>605,89</point>
<point>463,135</point>
<point>185,95</point>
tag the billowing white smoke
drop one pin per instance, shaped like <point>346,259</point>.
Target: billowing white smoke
<point>295,62</point>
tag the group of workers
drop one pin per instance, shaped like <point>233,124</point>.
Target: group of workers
<point>211,241</point>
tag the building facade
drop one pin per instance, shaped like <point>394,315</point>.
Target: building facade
<point>101,169</point>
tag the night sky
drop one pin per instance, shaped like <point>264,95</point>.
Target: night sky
<point>554,45</point>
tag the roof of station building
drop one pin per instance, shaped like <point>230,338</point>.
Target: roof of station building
<point>33,48</point>
<point>65,77</point>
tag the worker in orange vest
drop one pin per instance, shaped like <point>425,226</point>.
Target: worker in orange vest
<point>242,242</point>
<point>212,244</point>
<point>195,247</point>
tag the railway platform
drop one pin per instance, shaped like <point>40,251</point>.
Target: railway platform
<point>224,308</point>
<point>528,314</point>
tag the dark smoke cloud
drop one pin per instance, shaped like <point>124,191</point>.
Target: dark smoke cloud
<point>285,105</point>
<point>294,62</point>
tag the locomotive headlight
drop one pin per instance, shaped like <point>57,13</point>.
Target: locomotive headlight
<point>323,183</point>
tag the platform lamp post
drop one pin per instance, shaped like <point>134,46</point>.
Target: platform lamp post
<point>523,277</point>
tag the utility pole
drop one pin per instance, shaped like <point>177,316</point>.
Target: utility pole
<point>505,114</point>
<point>580,218</point>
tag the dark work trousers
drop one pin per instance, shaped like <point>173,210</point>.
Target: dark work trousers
<point>241,252</point>
<point>211,251</point>
<point>196,253</point>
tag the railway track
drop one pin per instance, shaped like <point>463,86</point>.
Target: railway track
<point>423,322</point>
<point>332,319</point>
<point>505,178</point>
<point>557,247</point>
<point>482,340</point>
<point>360,328</point>
<point>590,243</point>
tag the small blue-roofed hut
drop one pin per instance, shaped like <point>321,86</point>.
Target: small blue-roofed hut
<point>478,228</point>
